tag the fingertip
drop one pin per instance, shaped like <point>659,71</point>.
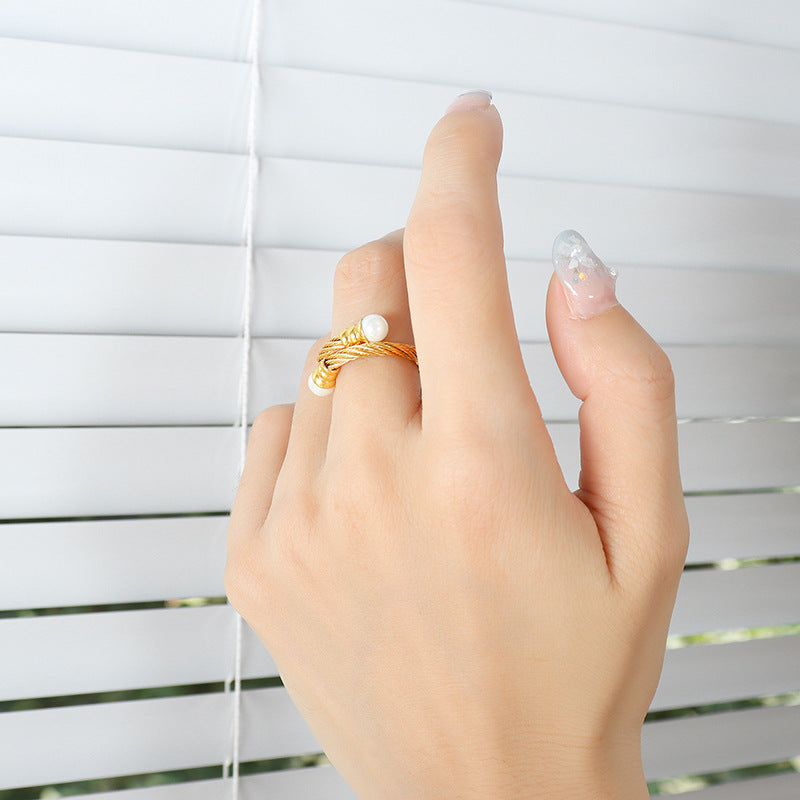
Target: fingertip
<point>465,136</point>
<point>472,100</point>
<point>609,351</point>
<point>588,284</point>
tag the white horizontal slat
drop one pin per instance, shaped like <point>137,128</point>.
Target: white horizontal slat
<point>155,380</point>
<point>723,456</point>
<point>122,380</point>
<point>106,651</point>
<point>191,469</point>
<point>101,286</point>
<point>104,191</point>
<point>111,471</point>
<point>704,674</point>
<point>716,742</point>
<point>743,526</point>
<point>751,597</point>
<point>106,286</point>
<point>111,561</point>
<point>127,738</point>
<point>572,58</point>
<point>210,29</point>
<point>121,650</point>
<point>708,381</point>
<point>772,22</point>
<point>114,192</point>
<point>92,94</point>
<point>774,787</point>
<point>309,783</point>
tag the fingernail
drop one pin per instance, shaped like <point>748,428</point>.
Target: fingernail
<point>473,100</point>
<point>588,283</point>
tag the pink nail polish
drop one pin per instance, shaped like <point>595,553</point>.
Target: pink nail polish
<point>588,283</point>
<point>473,100</point>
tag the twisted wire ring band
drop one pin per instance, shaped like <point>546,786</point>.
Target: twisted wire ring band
<point>359,340</point>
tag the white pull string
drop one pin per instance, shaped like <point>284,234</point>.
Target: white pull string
<point>244,380</point>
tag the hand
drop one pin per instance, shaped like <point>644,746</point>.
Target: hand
<point>449,618</point>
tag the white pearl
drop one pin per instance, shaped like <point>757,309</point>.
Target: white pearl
<point>318,390</point>
<point>375,327</point>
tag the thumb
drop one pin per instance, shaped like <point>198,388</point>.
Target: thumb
<point>630,478</point>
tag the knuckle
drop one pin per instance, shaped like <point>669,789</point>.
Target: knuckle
<point>232,583</point>
<point>670,557</point>
<point>239,580</point>
<point>657,374</point>
<point>648,375</point>
<point>290,531</point>
<point>461,476</point>
<point>450,229</point>
<point>269,420</point>
<point>663,557</point>
<point>465,489</point>
<point>365,265</point>
<point>352,497</point>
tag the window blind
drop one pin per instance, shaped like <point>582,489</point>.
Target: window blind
<point>667,133</point>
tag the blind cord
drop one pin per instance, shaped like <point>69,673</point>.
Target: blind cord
<point>244,380</point>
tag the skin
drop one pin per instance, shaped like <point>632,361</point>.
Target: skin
<point>449,618</point>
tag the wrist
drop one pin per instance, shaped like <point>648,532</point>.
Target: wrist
<point>607,774</point>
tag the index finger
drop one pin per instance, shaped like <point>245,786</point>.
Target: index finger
<point>458,295</point>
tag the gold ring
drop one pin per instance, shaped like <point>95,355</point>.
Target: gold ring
<point>362,339</point>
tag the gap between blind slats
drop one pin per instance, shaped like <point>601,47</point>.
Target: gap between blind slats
<point>324,784</point>
<point>141,99</point>
<point>773,787</point>
<point>156,380</point>
<point>99,286</point>
<point>172,733</point>
<point>769,22</point>
<point>310,783</point>
<point>191,469</point>
<point>74,654</point>
<point>133,560</point>
<point>101,191</point>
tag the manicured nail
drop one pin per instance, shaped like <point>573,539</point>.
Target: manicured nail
<point>473,100</point>
<point>588,283</point>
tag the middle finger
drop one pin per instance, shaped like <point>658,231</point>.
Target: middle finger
<point>373,394</point>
